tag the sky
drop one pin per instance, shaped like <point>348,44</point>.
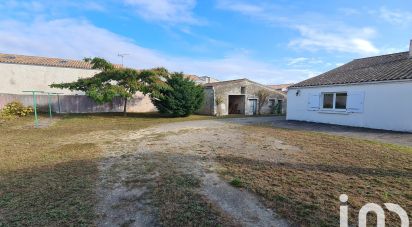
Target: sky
<point>270,42</point>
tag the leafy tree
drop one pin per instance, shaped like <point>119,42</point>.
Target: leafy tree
<point>117,82</point>
<point>262,96</point>
<point>182,98</point>
<point>99,63</point>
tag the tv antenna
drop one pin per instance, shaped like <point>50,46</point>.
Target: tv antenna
<point>122,56</point>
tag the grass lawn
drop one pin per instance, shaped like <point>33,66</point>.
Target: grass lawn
<point>304,186</point>
<point>48,176</point>
<point>47,182</point>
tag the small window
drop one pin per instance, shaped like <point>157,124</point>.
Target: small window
<point>242,90</point>
<point>272,102</point>
<point>328,101</point>
<point>335,101</point>
<point>280,101</point>
<point>280,105</point>
<point>340,102</point>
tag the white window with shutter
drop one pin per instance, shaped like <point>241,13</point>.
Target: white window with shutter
<point>334,101</point>
<point>314,102</point>
<point>355,102</point>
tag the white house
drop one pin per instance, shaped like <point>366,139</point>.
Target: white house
<point>374,92</point>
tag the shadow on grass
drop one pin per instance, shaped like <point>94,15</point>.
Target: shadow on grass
<point>113,114</point>
<point>61,194</point>
<point>153,115</point>
<point>149,115</point>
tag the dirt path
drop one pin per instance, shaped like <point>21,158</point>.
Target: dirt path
<point>174,163</point>
<point>240,204</point>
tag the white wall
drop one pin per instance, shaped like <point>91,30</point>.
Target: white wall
<point>15,78</point>
<point>386,106</point>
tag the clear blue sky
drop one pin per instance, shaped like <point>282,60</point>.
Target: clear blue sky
<point>267,41</point>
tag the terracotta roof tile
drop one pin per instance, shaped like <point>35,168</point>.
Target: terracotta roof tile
<point>280,86</point>
<point>45,61</point>
<point>192,77</point>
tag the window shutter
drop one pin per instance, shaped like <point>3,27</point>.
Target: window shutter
<point>355,102</point>
<point>314,102</point>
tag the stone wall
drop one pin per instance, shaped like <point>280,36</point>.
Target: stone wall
<point>208,107</point>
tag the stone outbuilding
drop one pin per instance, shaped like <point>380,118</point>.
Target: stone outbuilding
<point>240,97</point>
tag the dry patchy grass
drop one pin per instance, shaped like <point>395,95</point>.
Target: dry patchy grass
<point>179,202</point>
<point>305,186</point>
<point>171,191</point>
<point>45,182</point>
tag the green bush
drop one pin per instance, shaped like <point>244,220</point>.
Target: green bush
<point>236,182</point>
<point>15,109</point>
<point>182,98</point>
<point>277,109</point>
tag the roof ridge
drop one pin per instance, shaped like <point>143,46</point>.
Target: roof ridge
<point>376,63</point>
<point>47,61</point>
<point>395,66</point>
<point>33,56</point>
<point>243,79</point>
<point>403,52</point>
<point>226,81</point>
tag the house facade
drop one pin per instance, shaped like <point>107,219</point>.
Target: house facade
<point>240,97</point>
<point>374,92</point>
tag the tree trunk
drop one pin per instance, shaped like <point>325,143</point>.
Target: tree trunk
<point>125,107</point>
<point>259,107</point>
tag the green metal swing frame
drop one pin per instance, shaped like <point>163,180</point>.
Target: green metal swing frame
<point>49,94</point>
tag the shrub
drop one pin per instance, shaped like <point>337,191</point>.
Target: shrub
<point>236,182</point>
<point>181,98</point>
<point>277,109</point>
<point>219,100</point>
<point>15,109</point>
